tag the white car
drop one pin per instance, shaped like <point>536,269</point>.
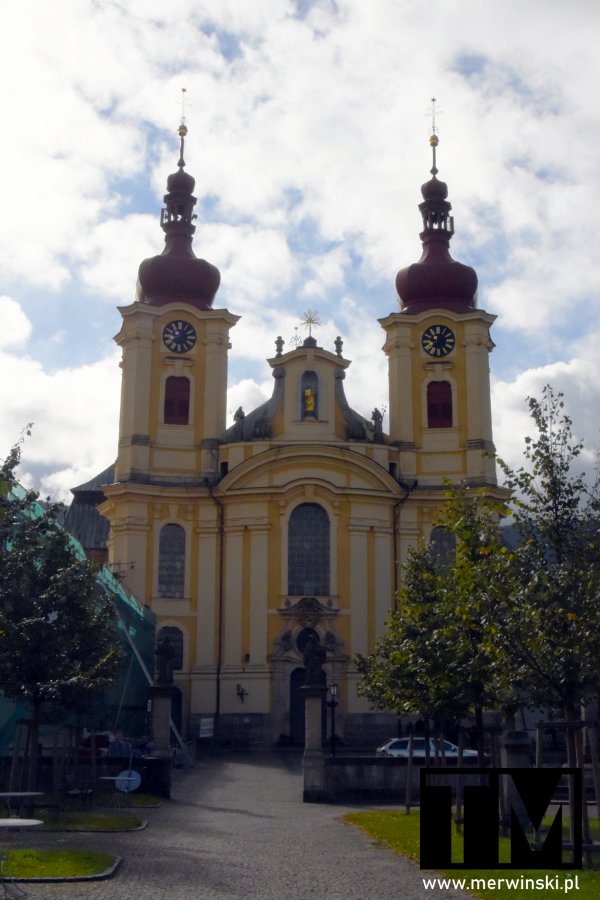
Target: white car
<point>398,747</point>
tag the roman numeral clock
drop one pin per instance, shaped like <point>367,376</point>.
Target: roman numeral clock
<point>438,340</point>
<point>179,336</point>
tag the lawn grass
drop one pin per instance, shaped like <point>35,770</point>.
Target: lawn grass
<point>144,801</point>
<point>141,801</point>
<point>89,821</point>
<point>55,863</point>
<point>399,831</point>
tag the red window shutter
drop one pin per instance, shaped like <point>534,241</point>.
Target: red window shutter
<point>177,400</point>
<point>439,404</point>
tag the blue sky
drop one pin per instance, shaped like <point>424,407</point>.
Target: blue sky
<point>308,134</point>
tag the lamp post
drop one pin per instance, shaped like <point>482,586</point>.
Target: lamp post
<point>332,703</point>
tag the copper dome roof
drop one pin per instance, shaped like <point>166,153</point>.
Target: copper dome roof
<point>436,280</point>
<point>177,274</point>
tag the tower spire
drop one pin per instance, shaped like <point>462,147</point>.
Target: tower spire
<point>436,280</point>
<point>177,274</point>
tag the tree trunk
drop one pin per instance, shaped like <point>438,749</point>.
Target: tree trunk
<point>571,716</point>
<point>34,747</point>
<point>479,735</point>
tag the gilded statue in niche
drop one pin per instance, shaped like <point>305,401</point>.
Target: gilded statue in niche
<point>309,396</point>
<point>309,400</point>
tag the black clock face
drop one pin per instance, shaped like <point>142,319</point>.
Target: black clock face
<point>438,340</point>
<point>179,336</point>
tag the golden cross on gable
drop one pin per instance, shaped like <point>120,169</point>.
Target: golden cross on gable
<point>310,319</point>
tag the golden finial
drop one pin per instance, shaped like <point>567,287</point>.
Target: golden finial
<point>182,130</point>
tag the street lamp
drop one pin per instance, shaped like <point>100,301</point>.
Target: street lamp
<point>332,703</point>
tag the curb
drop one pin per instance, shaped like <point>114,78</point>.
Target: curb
<point>140,827</point>
<point>99,876</point>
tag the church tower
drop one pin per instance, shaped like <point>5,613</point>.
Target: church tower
<point>251,541</point>
<point>174,355</point>
<point>173,410</point>
<point>438,348</point>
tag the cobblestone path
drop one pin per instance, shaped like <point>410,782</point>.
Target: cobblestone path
<point>236,827</point>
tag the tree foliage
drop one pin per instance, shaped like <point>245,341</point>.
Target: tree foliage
<point>58,640</point>
<point>436,657</point>
<point>550,632</point>
<point>496,627</point>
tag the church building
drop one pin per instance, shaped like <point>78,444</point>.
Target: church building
<point>247,540</point>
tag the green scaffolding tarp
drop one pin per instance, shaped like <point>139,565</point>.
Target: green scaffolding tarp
<point>124,704</point>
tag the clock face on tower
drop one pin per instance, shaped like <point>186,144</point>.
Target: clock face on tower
<point>179,336</point>
<point>438,340</point>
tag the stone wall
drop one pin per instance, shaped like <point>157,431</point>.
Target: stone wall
<point>375,779</point>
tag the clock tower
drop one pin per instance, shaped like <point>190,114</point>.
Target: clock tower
<point>438,347</point>
<point>173,395</point>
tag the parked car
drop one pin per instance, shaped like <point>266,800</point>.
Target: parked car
<point>398,747</point>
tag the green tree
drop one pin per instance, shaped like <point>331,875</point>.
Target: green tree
<point>436,658</point>
<point>58,642</point>
<point>549,634</point>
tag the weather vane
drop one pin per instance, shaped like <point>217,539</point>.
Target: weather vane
<point>433,140</point>
<point>182,130</point>
<point>183,103</point>
<point>310,319</point>
<point>433,112</point>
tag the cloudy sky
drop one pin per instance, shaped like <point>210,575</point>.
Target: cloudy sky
<point>308,134</point>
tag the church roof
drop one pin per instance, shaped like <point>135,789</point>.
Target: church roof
<point>95,484</point>
<point>82,519</point>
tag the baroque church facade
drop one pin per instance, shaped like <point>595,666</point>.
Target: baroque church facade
<point>246,540</point>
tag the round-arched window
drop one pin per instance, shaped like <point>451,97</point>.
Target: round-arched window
<point>171,562</point>
<point>308,551</point>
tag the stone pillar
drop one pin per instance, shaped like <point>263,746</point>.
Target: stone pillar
<point>313,763</point>
<point>516,750</point>
<point>161,731</point>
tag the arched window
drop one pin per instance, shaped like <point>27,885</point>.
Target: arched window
<point>443,546</point>
<point>439,404</point>
<point>308,551</point>
<point>175,636</point>
<point>171,562</point>
<point>177,400</point>
<point>309,395</point>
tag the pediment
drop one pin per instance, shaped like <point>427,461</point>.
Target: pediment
<point>282,468</point>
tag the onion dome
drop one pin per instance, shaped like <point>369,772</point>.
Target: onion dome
<point>436,280</point>
<point>177,274</point>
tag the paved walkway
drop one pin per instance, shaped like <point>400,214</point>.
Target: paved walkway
<point>236,827</point>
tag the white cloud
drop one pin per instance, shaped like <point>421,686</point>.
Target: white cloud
<point>577,379</point>
<point>74,412</point>
<point>247,394</point>
<point>16,327</point>
<point>255,263</point>
<point>308,141</point>
<point>110,253</point>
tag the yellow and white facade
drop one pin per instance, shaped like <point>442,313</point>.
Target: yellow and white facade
<point>246,540</point>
